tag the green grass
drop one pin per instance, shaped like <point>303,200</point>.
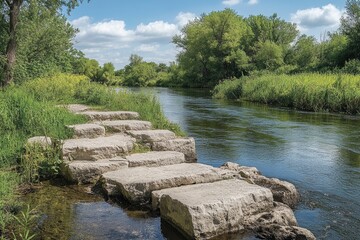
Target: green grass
<point>310,92</point>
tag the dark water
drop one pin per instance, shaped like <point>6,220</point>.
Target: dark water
<point>319,153</point>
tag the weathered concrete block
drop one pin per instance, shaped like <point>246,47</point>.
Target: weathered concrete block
<point>203,211</point>
<point>155,159</point>
<point>126,125</point>
<point>89,171</point>
<point>97,148</point>
<point>111,115</point>
<point>136,184</point>
<point>184,145</point>
<point>87,130</point>
<point>151,136</point>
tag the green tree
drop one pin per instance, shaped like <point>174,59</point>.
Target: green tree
<point>140,73</point>
<point>11,10</point>
<point>334,52</point>
<point>268,55</point>
<point>350,27</point>
<point>305,53</point>
<point>211,46</point>
<point>44,43</point>
<point>272,29</point>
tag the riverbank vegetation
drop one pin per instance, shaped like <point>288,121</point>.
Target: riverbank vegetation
<point>310,92</point>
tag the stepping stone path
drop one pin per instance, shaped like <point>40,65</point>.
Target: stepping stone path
<point>199,200</point>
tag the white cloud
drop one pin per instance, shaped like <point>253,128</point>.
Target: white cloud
<point>157,28</point>
<point>253,2</point>
<point>231,2</point>
<point>147,48</point>
<point>326,16</point>
<point>184,18</point>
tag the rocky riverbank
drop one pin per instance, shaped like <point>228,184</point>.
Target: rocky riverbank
<point>199,200</point>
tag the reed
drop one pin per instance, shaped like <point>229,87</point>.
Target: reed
<point>310,92</point>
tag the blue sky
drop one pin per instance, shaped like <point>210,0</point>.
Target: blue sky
<point>111,30</point>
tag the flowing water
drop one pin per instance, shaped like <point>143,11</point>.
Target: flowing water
<point>319,153</point>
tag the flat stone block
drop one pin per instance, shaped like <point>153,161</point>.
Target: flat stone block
<point>151,136</point>
<point>97,148</point>
<point>87,130</point>
<point>110,115</point>
<point>155,159</point>
<point>126,125</point>
<point>76,108</point>
<point>90,171</point>
<point>184,145</point>
<point>203,211</point>
<point>136,184</point>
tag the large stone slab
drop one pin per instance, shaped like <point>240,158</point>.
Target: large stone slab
<point>136,184</point>
<point>126,125</point>
<point>97,148</point>
<point>184,145</point>
<point>88,130</point>
<point>89,171</point>
<point>155,159</point>
<point>283,191</point>
<point>151,136</point>
<point>203,211</point>
<point>111,115</point>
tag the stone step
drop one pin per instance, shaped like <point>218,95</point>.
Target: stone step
<point>126,125</point>
<point>97,148</point>
<point>151,136</point>
<point>76,108</point>
<point>155,159</point>
<point>83,172</point>
<point>184,145</point>
<point>110,115</point>
<point>203,211</point>
<point>136,184</point>
<point>88,130</point>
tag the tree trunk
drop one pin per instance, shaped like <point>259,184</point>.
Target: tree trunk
<point>8,74</point>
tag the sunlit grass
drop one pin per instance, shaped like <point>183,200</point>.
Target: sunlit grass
<point>311,92</point>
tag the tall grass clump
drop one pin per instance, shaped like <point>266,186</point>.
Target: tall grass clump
<point>310,92</point>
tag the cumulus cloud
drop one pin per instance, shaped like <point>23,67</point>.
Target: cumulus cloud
<point>112,41</point>
<point>147,48</point>
<point>231,2</point>
<point>253,2</point>
<point>326,16</point>
<point>157,28</point>
<point>184,18</point>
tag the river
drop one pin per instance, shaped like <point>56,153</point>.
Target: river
<point>319,153</point>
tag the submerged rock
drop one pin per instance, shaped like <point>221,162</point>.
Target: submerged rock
<point>283,191</point>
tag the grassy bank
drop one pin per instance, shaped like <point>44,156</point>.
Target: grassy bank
<point>30,110</point>
<point>310,92</point>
